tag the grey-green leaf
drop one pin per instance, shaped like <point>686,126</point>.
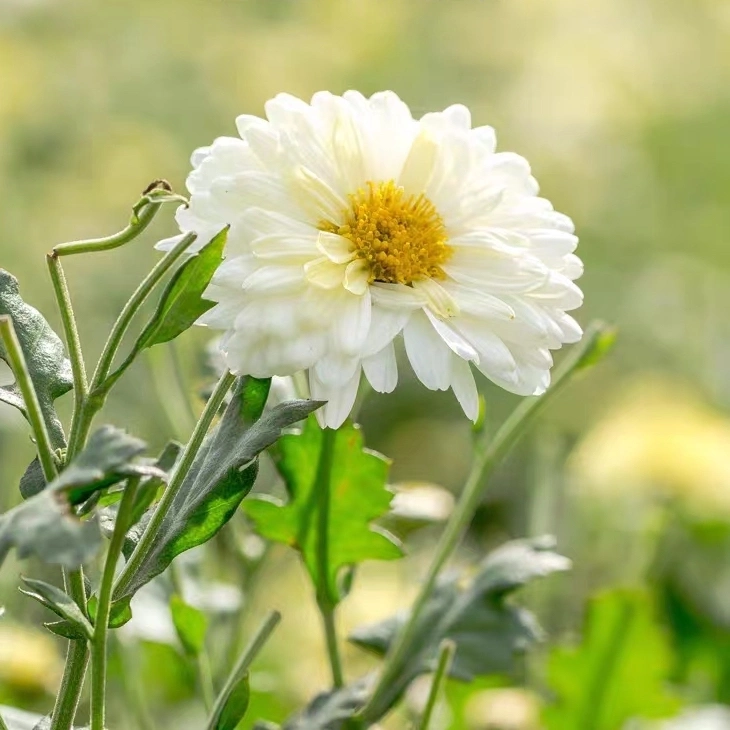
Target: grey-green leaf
<point>331,710</point>
<point>59,602</point>
<point>222,474</point>
<point>488,631</point>
<point>16,719</point>
<point>190,624</point>
<point>50,369</point>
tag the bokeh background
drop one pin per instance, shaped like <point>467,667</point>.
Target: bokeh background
<point>623,109</point>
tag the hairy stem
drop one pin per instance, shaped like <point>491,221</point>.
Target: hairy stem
<point>143,213</point>
<point>325,601</point>
<point>33,410</point>
<point>101,624</point>
<point>486,459</point>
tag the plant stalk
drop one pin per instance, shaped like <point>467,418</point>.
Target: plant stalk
<point>446,656</point>
<point>487,457</point>
<point>101,624</point>
<point>325,601</point>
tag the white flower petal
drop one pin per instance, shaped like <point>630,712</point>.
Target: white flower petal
<point>428,354</point>
<point>438,299</point>
<point>385,325</point>
<point>381,369</point>
<point>352,315</point>
<point>464,387</point>
<point>340,399</point>
<point>336,248</point>
<point>357,277</point>
<point>397,296</point>
<point>323,273</point>
<point>453,339</point>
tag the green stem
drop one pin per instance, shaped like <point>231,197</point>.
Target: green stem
<point>101,623</point>
<point>205,675</point>
<point>181,470</point>
<point>486,459</point>
<point>239,671</point>
<point>98,389</point>
<point>69,692</point>
<point>33,410</point>
<point>65,308</point>
<point>446,655</point>
<point>143,213</point>
<point>325,600</point>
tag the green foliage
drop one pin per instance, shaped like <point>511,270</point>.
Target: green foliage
<point>475,614</point>
<point>620,670</point>
<point>190,624</point>
<point>60,603</point>
<point>331,710</point>
<point>222,474</point>
<point>358,495</point>
<point>181,303</point>
<point>234,705</point>
<point>46,525</point>
<point>49,368</point>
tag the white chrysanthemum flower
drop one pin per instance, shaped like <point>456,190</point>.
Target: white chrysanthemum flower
<point>351,222</point>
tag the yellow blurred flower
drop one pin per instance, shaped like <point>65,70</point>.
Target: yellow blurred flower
<point>659,439</point>
<point>29,661</point>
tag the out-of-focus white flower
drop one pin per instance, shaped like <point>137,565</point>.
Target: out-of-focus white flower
<point>351,222</point>
<point>711,717</point>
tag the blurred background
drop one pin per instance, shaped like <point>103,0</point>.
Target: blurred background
<point>623,109</point>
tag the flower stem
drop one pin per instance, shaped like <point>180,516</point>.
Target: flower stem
<point>33,410</point>
<point>325,600</point>
<point>65,308</point>
<point>101,624</point>
<point>98,390</point>
<point>239,671</point>
<point>446,655</point>
<point>142,214</point>
<point>186,460</point>
<point>67,699</point>
<point>486,459</point>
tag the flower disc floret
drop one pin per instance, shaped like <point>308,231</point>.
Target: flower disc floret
<point>400,236</point>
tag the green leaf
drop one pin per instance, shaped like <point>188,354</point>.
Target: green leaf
<point>190,624</point>
<point>50,369</point>
<point>619,671</point>
<point>60,603</point>
<point>222,474</point>
<point>331,710</point>
<point>358,497</point>
<point>235,705</point>
<point>181,303</point>
<point>33,480</point>
<point>472,611</point>
<point>46,525</point>
<point>20,719</point>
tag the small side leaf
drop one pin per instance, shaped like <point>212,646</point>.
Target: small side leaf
<point>50,369</point>
<point>234,707</point>
<point>358,497</point>
<point>59,602</point>
<point>190,624</point>
<point>181,303</point>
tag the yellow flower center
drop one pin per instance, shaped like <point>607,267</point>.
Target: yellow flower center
<point>401,237</point>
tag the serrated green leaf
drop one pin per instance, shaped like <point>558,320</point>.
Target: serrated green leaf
<point>620,670</point>
<point>472,611</point>
<point>331,710</point>
<point>358,497</point>
<point>222,474</point>
<point>49,368</point>
<point>59,602</point>
<point>190,624</point>
<point>181,304</point>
